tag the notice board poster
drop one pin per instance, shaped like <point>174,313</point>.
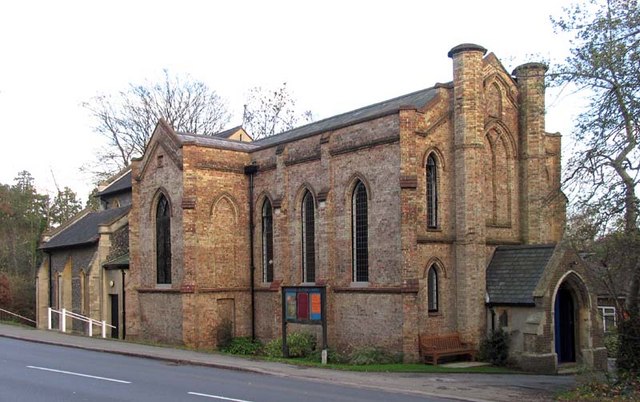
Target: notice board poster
<point>291,305</point>
<point>316,306</point>
<point>303,306</point>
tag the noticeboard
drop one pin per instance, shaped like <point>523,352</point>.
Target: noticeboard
<point>303,305</point>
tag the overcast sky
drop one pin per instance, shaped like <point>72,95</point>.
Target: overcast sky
<point>335,56</point>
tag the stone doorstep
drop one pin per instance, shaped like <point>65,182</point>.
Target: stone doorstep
<point>464,364</point>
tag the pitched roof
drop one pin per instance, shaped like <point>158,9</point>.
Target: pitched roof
<point>214,142</point>
<point>84,230</point>
<point>227,133</point>
<point>416,100</point>
<point>122,183</point>
<point>514,272</point>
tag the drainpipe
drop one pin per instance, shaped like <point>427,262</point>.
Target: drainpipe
<point>124,310</point>
<point>50,279</point>
<point>250,171</point>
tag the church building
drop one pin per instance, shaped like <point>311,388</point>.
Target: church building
<point>432,213</point>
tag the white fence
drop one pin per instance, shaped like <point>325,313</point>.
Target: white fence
<point>64,314</point>
<point>32,322</point>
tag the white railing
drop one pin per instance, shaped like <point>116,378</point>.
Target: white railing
<point>64,313</point>
<point>18,316</point>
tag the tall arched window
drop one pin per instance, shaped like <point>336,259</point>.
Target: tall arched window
<point>163,241</point>
<point>267,241</point>
<point>432,289</point>
<point>82,291</point>
<point>432,192</point>
<point>360,235</point>
<point>308,238</point>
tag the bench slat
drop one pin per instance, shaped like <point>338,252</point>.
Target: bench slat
<point>434,347</point>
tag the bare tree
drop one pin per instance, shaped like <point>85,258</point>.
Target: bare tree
<point>603,172</point>
<point>272,111</point>
<point>127,119</point>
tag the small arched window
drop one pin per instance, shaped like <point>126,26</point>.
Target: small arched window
<point>432,289</point>
<point>308,238</point>
<point>360,235</point>
<point>267,241</point>
<point>163,241</point>
<point>432,192</point>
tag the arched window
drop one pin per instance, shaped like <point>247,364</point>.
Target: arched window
<point>432,193</point>
<point>82,291</point>
<point>432,289</point>
<point>267,241</point>
<point>308,238</point>
<point>163,241</point>
<point>360,235</point>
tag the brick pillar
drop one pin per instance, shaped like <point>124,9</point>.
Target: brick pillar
<point>530,79</point>
<point>468,126</point>
<point>409,200</point>
<point>133,278</point>
<point>191,210</point>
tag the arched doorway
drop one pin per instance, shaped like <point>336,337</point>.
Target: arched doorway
<point>565,325</point>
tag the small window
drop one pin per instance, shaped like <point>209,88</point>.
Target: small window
<point>267,242</point>
<point>163,241</point>
<point>160,160</point>
<point>308,238</point>
<point>608,315</point>
<point>360,235</point>
<point>432,289</point>
<point>432,193</point>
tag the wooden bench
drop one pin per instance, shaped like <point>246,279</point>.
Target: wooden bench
<point>434,347</point>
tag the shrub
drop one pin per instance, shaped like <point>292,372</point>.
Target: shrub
<point>273,348</point>
<point>629,345</point>
<point>5,291</point>
<point>242,346</point>
<point>495,348</point>
<point>611,343</point>
<point>371,355</point>
<point>300,344</point>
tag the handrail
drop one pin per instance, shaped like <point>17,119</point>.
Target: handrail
<point>64,313</point>
<point>18,315</point>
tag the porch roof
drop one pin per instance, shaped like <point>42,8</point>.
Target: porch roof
<point>514,272</point>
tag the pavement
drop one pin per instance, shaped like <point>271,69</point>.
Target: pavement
<point>462,387</point>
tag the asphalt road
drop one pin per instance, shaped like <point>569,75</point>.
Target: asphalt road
<point>36,372</point>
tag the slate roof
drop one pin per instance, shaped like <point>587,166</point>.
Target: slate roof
<point>121,184</point>
<point>416,99</point>
<point>227,133</point>
<point>215,142</point>
<point>85,230</point>
<point>514,273</point>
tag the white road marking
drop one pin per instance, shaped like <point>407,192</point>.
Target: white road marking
<point>217,397</point>
<point>78,374</point>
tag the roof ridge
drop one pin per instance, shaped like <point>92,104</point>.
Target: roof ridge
<point>214,135</point>
<point>258,141</point>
